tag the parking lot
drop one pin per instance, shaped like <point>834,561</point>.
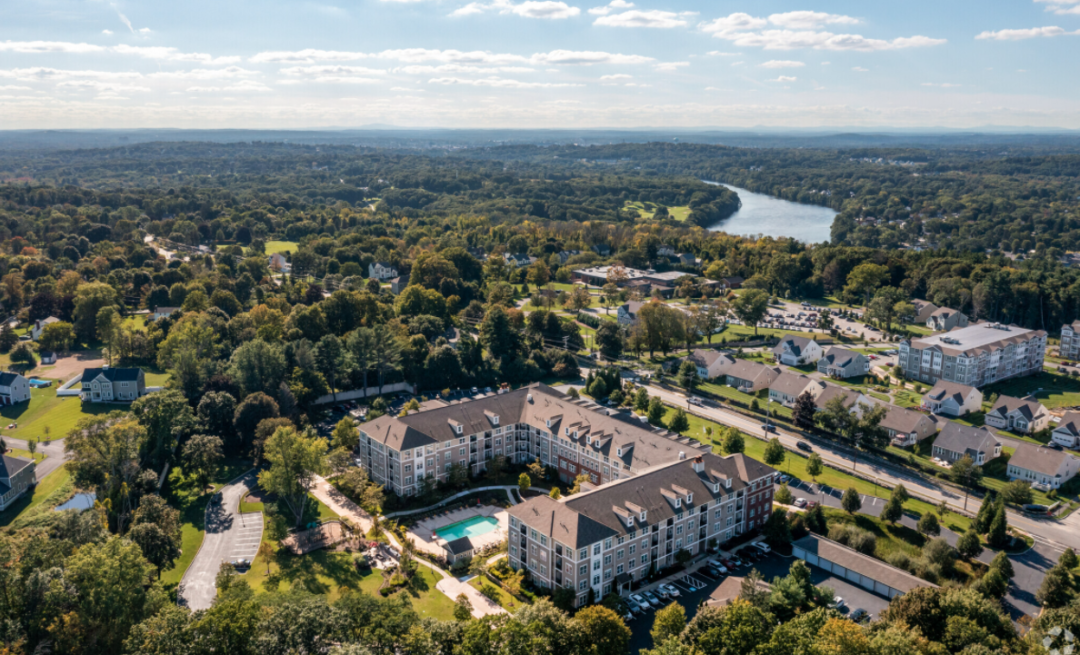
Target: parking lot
<point>772,566</point>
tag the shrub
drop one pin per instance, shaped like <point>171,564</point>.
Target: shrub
<point>900,560</point>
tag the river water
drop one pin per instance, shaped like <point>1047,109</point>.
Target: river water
<point>772,217</point>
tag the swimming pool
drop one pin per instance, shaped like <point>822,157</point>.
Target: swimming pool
<point>473,527</point>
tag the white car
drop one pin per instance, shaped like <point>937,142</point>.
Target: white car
<point>837,602</point>
<point>800,502</point>
<point>762,546</point>
<point>671,590</point>
<point>641,602</point>
<point>716,564</point>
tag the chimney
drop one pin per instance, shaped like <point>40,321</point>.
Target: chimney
<point>699,464</point>
<point>682,455</point>
<point>529,397</point>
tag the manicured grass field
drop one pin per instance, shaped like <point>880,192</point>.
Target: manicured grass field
<point>45,408</point>
<point>1051,389</point>
<point>156,379</point>
<point>25,454</point>
<point>274,247</point>
<point>907,398</point>
<point>678,213</point>
<point>504,599</point>
<point>53,490</point>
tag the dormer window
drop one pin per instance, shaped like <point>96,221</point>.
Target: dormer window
<point>642,516</point>
<point>629,521</point>
<point>457,428</point>
<point>689,498</point>
<point>566,430</point>
<point>716,487</point>
<point>618,452</point>
<point>678,502</point>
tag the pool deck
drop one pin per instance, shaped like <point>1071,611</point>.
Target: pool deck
<point>423,533</point>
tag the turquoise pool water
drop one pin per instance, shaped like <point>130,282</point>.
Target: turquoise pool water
<point>473,527</point>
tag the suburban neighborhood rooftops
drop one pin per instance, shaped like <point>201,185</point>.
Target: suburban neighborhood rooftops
<point>837,356</point>
<point>10,466</point>
<point>794,342</point>
<point>982,337</point>
<point>792,384</point>
<point>7,378</point>
<point>864,565</point>
<point>943,311</point>
<point>902,420</point>
<point>944,390</point>
<point>112,374</point>
<point>1038,458</point>
<point>565,525</point>
<point>744,369</point>
<point>966,440</point>
<point>1070,423</point>
<point>705,358</point>
<point>833,391</point>
<point>1028,407</point>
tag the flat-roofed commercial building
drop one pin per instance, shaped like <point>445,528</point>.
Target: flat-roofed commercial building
<point>976,356</point>
<point>606,537</point>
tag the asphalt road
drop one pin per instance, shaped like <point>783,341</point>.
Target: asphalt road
<point>54,455</point>
<point>230,535</point>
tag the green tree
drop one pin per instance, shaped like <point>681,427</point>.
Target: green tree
<point>964,471</point>
<point>1017,492</point>
<point>168,418</point>
<point>555,494</point>
<point>864,279</point>
<point>1003,565</point>
<point>607,632</point>
<point>775,453</point>
<point>777,528</point>
<point>23,354</point>
<point>893,510</point>
<point>215,412</point>
<point>815,520</point>
<point>656,412</point>
<point>189,352</point>
<point>998,536</point>
<point>8,338</point>
<point>851,502</point>
<point>257,366</point>
<point>783,495</point>
<point>641,400</point>
<point>668,623</point>
<point>609,340</point>
<point>57,337</point>
<point>330,360</point>
<point>751,306</point>
<point>679,422</point>
<point>1056,589</point>
<point>804,410</point>
<point>688,376</point>
<point>524,483</point>
<point>732,441</point>
<point>462,608</point>
<point>295,460</point>
<point>108,324</point>
<point>814,466</point>
<point>928,524</point>
<point>90,298</point>
<point>985,515</point>
<point>202,457</point>
<point>249,414</point>
<point>968,545</point>
<point>345,435</point>
<point>1068,559</point>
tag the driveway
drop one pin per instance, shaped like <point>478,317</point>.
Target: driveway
<point>54,455</point>
<point>230,535</point>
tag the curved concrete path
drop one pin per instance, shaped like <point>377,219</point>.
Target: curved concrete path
<point>229,535</point>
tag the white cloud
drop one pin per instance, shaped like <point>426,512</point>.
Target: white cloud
<point>587,57</point>
<point>611,6</point>
<point>809,20</point>
<point>784,78</point>
<point>617,76</point>
<point>1062,7</point>
<point>943,85</point>
<point>345,79</point>
<point>39,74</point>
<point>737,63</point>
<point>638,85</point>
<point>107,32</point>
<point>100,86</point>
<point>125,21</point>
<point>172,54</point>
<point>717,53</point>
<point>1029,33</point>
<point>652,18</point>
<point>737,22</point>
<point>782,63</point>
<point>462,68</point>
<point>42,47</point>
<point>860,69</point>
<point>205,74</point>
<point>12,87</point>
<point>669,66</point>
<point>145,30</point>
<point>500,83</point>
<point>404,88</point>
<point>330,70</point>
<point>243,85</point>
<point>547,9</point>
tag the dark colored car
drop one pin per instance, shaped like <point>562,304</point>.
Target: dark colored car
<point>802,445</point>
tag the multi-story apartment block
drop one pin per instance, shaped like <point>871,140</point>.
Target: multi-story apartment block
<point>606,537</point>
<point>977,355</point>
<point>534,422</point>
<point>1070,341</point>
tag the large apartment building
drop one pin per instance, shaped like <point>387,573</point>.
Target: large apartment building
<point>976,356</point>
<point>606,537</point>
<point>1070,340</point>
<point>533,422</point>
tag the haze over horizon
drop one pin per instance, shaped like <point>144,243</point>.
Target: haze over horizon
<point>539,64</point>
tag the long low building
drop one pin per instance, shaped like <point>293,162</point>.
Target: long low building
<point>605,538</point>
<point>849,564</point>
<point>534,422</point>
<point>976,356</point>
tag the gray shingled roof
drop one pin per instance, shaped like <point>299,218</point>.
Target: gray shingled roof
<point>966,440</point>
<point>945,389</point>
<point>744,369</point>
<point>836,356</point>
<point>862,564</point>
<point>1039,459</point>
<point>795,343</point>
<point>792,384</point>
<point>1029,408</point>
<point>458,546</point>
<point>9,466</point>
<point>705,357</point>
<point>112,374</point>
<point>7,379</point>
<point>1070,423</point>
<point>903,420</point>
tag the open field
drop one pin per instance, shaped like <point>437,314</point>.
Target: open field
<point>46,409</point>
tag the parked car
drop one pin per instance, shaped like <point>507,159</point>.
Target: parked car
<point>634,606</point>
<point>763,547</point>
<point>737,563</point>
<point>652,598</point>
<point>694,400</point>
<point>672,591</point>
<point>640,600</point>
<point>708,572</point>
<point>811,504</point>
<point>784,478</point>
<point>837,602</point>
<point>718,565</point>
<point>800,502</point>
<point>802,445</point>
<point>859,615</point>
<point>662,592</point>
<point>728,563</point>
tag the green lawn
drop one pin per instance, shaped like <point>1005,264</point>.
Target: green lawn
<point>679,213</point>
<point>53,490</point>
<point>907,398</point>
<point>795,465</point>
<point>274,247</point>
<point>323,513</point>
<point>502,597</point>
<point>156,379</point>
<point>25,454</point>
<point>1051,389</point>
<point>46,409</point>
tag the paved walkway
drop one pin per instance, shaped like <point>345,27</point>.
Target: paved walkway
<point>229,535</point>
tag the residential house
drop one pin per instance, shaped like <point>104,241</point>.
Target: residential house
<point>852,399</point>
<point>458,549</point>
<point>795,350</point>
<point>906,427</point>
<point>398,284</point>
<point>952,399</point>
<point>1045,468</point>
<point>628,312</point>
<point>382,271</point>
<point>842,363</point>
<point>944,319</point>
<point>47,357</point>
<point>790,385</point>
<point>1024,415</point>
<point>665,250</point>
<point>609,537</point>
<point>750,377</point>
<point>975,355</point>
<point>711,364</point>
<point>956,440</point>
<point>107,384</point>
<point>16,476</point>
<point>519,260</point>
<point>478,253</point>
<point>687,259</point>
<point>164,312</point>
<point>732,282</point>
<point>1067,432</point>
<point>39,326</point>
<point>565,255</point>
<point>14,388</point>
<point>1070,341</point>
<point>279,264</point>
<point>923,311</point>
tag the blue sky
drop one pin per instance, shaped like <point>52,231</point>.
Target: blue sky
<point>538,63</point>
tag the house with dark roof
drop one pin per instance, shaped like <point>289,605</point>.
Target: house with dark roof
<point>750,377</point>
<point>795,350</point>
<point>47,357</point>
<point>16,476</point>
<point>1044,468</point>
<point>842,363</point>
<point>733,282</point>
<point>461,548</point>
<point>382,271</point>
<point>609,536</point>
<point>519,260</point>
<point>628,312</point>
<point>1067,432</point>
<point>398,284</point>
<point>1024,415</point>
<point>956,440</point>
<point>952,399</point>
<point>710,364</point>
<point>163,312</point>
<point>14,388</point>
<point>107,384</point>
<point>923,310</point>
<point>852,399</point>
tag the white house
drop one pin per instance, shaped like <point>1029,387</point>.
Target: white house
<point>39,326</point>
<point>16,476</point>
<point>790,385</point>
<point>952,399</point>
<point>957,440</point>
<point>944,319</point>
<point>279,264</point>
<point>1067,433</point>
<point>14,388</point>
<point>794,350</point>
<point>627,312</point>
<point>711,364</point>
<point>381,271</point>
<point>1025,415</point>
<point>906,427</point>
<point>1045,468</point>
<point>107,384</point>
<point>47,357</point>
<point>843,363</point>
